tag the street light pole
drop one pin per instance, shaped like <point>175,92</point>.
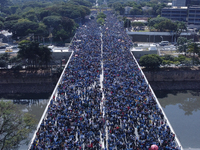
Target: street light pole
<point>161,37</point>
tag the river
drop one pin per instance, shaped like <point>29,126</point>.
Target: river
<point>181,107</point>
<point>183,111</point>
<point>31,103</point>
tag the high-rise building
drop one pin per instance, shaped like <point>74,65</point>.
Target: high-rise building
<point>179,3</point>
<point>192,2</point>
<point>194,15</point>
<point>175,13</point>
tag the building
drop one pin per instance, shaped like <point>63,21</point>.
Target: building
<point>194,16</point>
<point>175,13</point>
<point>179,3</point>
<point>192,2</point>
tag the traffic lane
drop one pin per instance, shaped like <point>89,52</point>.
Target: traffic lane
<point>4,51</point>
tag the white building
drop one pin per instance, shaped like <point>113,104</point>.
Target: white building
<point>179,3</point>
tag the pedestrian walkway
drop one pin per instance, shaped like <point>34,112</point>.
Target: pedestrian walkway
<point>102,100</point>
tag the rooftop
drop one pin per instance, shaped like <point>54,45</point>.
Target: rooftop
<point>176,7</point>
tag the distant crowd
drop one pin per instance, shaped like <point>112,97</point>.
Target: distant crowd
<point>103,101</point>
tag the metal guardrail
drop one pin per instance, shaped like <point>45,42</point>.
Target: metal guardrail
<point>168,123</point>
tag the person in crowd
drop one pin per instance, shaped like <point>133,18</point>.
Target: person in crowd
<point>119,114</point>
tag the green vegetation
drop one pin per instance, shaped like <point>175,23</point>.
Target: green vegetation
<point>150,61</point>
<point>15,126</point>
<point>166,25</point>
<point>33,54</point>
<point>127,23</point>
<point>153,5</point>
<point>194,49</point>
<point>169,60</point>
<point>153,61</point>
<point>43,19</point>
<point>30,55</point>
<point>139,24</point>
<point>101,18</point>
<point>183,44</point>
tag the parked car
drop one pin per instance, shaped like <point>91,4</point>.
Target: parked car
<point>8,50</point>
<point>2,47</point>
<point>164,43</point>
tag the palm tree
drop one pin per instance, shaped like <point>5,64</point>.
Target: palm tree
<point>45,55</point>
<point>195,49</point>
<point>33,53</point>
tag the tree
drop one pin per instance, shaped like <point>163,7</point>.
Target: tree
<point>82,2</point>
<point>12,17</point>
<point>127,23</point>
<point>33,53</point>
<point>13,9</point>
<point>68,25</point>
<point>23,27</point>
<point>31,15</point>
<point>2,63</point>
<point>3,3</point>
<point>137,24</point>
<point>15,126</point>
<point>5,57</point>
<point>1,25</point>
<point>166,25</point>
<point>10,21</point>
<point>41,30</point>
<point>156,20</point>
<point>181,26</point>
<point>167,60</point>
<point>180,58</point>
<point>52,21</point>
<point>182,44</point>
<point>101,15</point>
<point>45,55</point>
<point>2,19</point>
<point>195,49</point>
<point>136,11</point>
<point>150,61</point>
<point>118,7</point>
<point>100,21</point>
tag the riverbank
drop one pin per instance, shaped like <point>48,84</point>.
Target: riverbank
<point>27,81</point>
<point>175,85</point>
<point>43,81</point>
<point>174,78</point>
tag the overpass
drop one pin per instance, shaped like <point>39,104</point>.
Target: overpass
<point>102,99</point>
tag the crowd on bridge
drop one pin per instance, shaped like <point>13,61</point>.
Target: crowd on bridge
<point>119,114</point>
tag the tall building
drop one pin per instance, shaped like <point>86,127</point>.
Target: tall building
<point>175,13</point>
<point>179,3</point>
<point>194,16</point>
<point>192,2</point>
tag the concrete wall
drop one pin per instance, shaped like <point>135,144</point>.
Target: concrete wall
<point>174,80</point>
<point>138,54</point>
<point>61,55</point>
<point>176,75</point>
<point>156,38</point>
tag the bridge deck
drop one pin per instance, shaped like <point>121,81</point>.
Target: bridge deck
<point>102,99</point>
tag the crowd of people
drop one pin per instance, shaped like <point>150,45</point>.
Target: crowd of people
<point>103,100</point>
<point>134,120</point>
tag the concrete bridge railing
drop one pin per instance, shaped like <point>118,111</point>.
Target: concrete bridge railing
<point>168,123</point>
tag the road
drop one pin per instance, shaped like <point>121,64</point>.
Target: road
<point>55,49</point>
<point>167,48</point>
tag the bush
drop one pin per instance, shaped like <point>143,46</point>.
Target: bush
<point>17,67</point>
<point>2,63</point>
<point>100,21</point>
<point>150,61</point>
